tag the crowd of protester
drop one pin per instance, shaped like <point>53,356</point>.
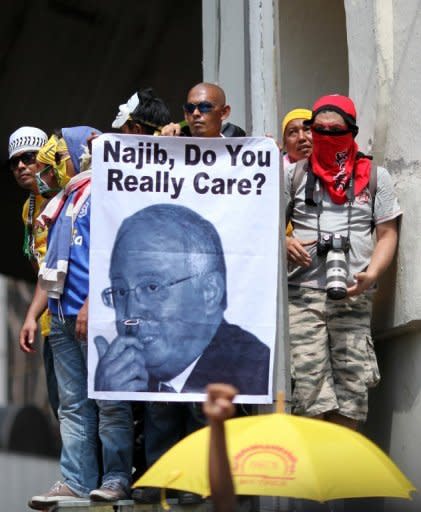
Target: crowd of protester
<point>329,191</point>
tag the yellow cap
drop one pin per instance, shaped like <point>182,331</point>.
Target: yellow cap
<point>297,113</point>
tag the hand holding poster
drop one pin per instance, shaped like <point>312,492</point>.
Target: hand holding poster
<point>183,259</point>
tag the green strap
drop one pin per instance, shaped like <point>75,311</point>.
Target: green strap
<point>28,237</point>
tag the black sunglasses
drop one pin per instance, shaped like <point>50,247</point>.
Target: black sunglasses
<point>26,158</point>
<point>203,107</point>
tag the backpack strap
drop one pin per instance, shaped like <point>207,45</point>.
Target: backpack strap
<point>372,187</point>
<point>372,184</point>
<point>300,170</point>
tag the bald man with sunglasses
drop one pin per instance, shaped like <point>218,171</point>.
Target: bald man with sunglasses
<point>204,112</point>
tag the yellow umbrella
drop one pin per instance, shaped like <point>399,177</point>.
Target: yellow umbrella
<point>283,455</point>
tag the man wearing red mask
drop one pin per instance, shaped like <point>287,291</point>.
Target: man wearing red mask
<point>333,266</point>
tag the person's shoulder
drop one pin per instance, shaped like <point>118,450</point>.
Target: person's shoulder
<point>384,178</point>
<point>37,205</point>
<point>381,171</point>
<point>243,341</point>
<point>235,356</point>
<point>294,175</point>
<point>386,204</point>
<point>232,130</point>
<point>290,168</point>
<point>301,165</point>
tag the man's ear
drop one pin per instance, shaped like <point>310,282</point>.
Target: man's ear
<point>226,112</point>
<point>213,292</point>
<point>139,129</point>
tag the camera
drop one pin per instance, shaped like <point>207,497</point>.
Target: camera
<point>334,246</point>
<point>332,241</point>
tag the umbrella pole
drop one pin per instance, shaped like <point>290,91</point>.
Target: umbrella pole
<point>280,402</point>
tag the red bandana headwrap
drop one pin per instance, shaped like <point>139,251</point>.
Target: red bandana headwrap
<point>335,156</point>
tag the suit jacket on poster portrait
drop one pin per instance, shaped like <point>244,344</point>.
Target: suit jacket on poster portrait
<point>233,356</point>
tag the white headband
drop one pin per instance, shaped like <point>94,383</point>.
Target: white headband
<point>125,110</point>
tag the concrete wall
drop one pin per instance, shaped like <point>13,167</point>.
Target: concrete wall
<point>23,477</point>
<point>384,37</point>
<point>313,51</point>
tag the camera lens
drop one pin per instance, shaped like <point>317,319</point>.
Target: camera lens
<point>336,272</point>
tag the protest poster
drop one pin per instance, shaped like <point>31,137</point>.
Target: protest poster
<point>183,267</point>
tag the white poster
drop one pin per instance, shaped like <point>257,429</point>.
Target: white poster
<point>183,267</point>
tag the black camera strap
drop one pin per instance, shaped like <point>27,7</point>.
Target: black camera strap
<point>309,200</point>
<point>350,195</point>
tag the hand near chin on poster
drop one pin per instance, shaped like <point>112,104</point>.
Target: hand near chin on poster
<point>121,365</point>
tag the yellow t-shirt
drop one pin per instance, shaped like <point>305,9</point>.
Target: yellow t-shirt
<point>39,234</point>
<point>39,249</point>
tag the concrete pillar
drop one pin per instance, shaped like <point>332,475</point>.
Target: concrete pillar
<point>225,61</point>
<point>385,81</point>
<point>384,37</point>
<point>264,67</point>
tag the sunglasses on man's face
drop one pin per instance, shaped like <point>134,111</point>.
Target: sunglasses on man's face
<point>203,107</point>
<point>27,158</point>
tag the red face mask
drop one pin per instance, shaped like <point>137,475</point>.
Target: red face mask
<point>333,159</point>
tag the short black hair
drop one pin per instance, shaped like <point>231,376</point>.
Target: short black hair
<point>152,113</point>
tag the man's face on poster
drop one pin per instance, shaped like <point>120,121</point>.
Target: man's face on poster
<point>158,298</point>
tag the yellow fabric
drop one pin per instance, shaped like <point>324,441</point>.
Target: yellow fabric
<point>40,234</point>
<point>297,113</point>
<point>40,247</point>
<point>45,323</point>
<point>47,155</point>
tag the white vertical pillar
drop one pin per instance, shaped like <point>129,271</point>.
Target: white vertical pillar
<point>211,35</point>
<point>384,38</point>
<point>264,67</point>
<point>225,55</point>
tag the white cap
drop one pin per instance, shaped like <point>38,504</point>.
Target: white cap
<point>26,138</point>
<point>125,110</point>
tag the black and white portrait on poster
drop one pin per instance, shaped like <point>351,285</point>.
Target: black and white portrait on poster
<point>183,267</point>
